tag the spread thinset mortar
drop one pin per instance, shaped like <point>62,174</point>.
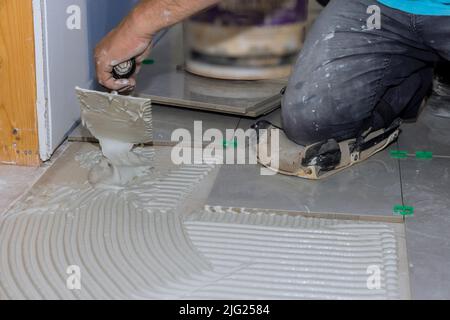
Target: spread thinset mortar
<point>277,255</point>
<point>127,243</point>
<point>141,241</point>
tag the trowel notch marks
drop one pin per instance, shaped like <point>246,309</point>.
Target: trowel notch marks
<point>98,235</point>
<point>293,257</point>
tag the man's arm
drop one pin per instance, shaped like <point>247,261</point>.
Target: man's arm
<point>132,37</point>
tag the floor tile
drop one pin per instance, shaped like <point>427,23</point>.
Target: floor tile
<point>426,188</point>
<point>167,119</point>
<point>167,83</point>
<point>370,188</point>
<point>429,133</point>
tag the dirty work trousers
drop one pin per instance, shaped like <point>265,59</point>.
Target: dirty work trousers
<point>349,75</point>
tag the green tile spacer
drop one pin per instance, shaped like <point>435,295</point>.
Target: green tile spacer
<point>424,155</point>
<point>232,143</point>
<point>397,154</point>
<point>148,61</point>
<point>406,211</point>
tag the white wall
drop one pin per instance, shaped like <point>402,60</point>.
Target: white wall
<point>64,58</point>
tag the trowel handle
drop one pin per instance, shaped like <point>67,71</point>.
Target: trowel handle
<point>126,69</point>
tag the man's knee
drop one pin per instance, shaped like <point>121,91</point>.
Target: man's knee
<point>302,121</point>
<point>312,115</point>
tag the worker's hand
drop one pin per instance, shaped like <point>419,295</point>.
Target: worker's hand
<point>120,45</point>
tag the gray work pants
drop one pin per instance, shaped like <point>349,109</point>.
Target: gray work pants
<point>348,75</point>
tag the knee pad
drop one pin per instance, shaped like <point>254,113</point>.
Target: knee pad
<point>322,159</point>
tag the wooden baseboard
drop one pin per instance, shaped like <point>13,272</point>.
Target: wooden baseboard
<point>18,122</point>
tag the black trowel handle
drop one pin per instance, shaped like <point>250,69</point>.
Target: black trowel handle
<point>126,69</point>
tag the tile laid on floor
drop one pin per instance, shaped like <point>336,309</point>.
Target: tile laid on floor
<point>429,133</point>
<point>370,188</point>
<point>167,83</point>
<point>167,119</point>
<point>426,188</point>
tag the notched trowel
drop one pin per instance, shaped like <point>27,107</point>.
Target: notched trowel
<point>121,118</point>
<point>119,123</point>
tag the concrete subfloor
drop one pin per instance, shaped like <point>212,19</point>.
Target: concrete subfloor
<point>372,188</point>
<point>15,181</point>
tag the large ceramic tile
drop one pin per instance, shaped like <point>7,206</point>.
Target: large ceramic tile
<point>167,119</point>
<point>167,83</point>
<point>179,88</point>
<point>426,188</point>
<point>370,188</point>
<point>429,133</point>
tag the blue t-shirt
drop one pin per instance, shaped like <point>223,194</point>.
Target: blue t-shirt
<point>420,7</point>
